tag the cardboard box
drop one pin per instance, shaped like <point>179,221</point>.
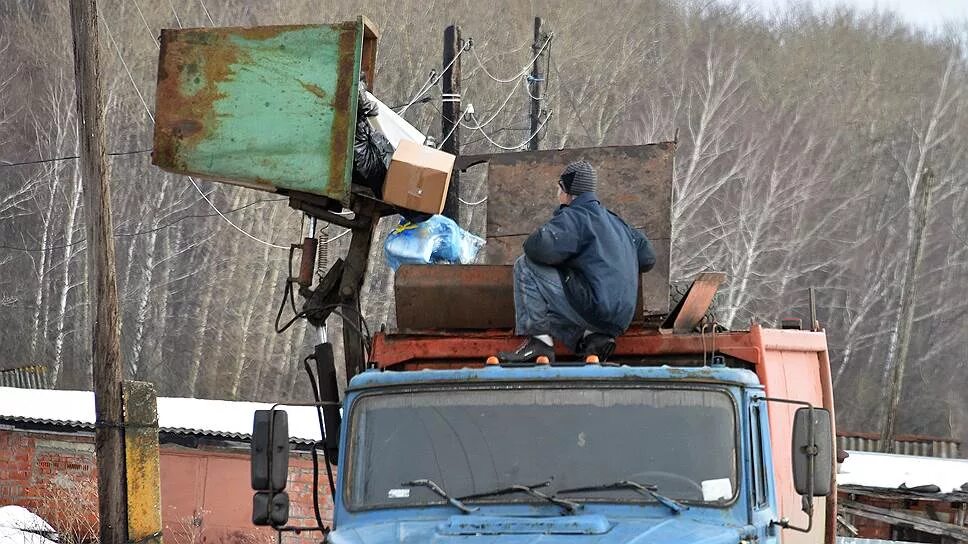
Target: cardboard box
<point>418,178</point>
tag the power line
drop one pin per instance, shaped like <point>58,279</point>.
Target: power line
<point>503,105</point>
<point>571,102</point>
<point>453,129</point>
<point>72,157</point>
<point>152,117</point>
<point>207,14</point>
<point>422,100</point>
<point>481,201</point>
<point>337,237</point>
<point>143,232</point>
<point>125,66</point>
<point>502,129</point>
<point>229,221</point>
<point>523,71</point>
<point>527,90</point>
<point>434,78</point>
<point>145,21</point>
<point>175,13</point>
<point>420,92</point>
<point>522,144</point>
<point>191,216</point>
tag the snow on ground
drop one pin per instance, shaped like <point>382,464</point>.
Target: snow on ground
<point>890,471</point>
<point>16,536</point>
<point>21,526</point>
<point>202,415</point>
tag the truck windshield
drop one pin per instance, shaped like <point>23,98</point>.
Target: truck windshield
<point>473,441</point>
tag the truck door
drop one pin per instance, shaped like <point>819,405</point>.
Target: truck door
<point>762,495</point>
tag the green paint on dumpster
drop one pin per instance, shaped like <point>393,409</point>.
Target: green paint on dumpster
<point>265,107</point>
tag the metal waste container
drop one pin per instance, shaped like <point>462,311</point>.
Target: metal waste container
<point>269,107</point>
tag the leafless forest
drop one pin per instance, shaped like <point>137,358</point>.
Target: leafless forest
<point>806,143</point>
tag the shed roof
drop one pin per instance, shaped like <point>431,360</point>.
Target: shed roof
<point>892,471</point>
<point>199,417</point>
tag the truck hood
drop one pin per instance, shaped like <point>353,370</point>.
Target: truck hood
<point>583,529</point>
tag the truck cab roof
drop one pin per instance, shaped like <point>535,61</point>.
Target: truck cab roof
<point>375,379</point>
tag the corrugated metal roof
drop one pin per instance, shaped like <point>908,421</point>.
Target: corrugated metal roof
<point>229,420</point>
<point>241,437</point>
<point>26,377</point>
<point>852,540</point>
<point>926,446</point>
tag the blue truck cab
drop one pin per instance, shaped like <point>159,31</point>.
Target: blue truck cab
<point>576,454</point>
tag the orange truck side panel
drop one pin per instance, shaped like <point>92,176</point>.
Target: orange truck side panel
<point>795,366</point>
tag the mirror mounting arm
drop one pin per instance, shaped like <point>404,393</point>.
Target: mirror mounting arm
<point>785,523</point>
<point>812,451</point>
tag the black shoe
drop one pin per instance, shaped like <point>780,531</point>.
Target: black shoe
<point>528,352</point>
<point>598,344</point>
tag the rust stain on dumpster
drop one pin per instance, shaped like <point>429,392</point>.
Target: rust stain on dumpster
<point>189,88</point>
<point>314,89</point>
<point>345,99</point>
<point>269,107</point>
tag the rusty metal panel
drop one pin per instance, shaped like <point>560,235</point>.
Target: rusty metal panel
<point>457,297</point>
<point>25,377</point>
<point>269,107</point>
<point>633,181</point>
<point>637,347</point>
<point>695,303</point>
<point>655,285</point>
<point>454,297</point>
<point>926,446</point>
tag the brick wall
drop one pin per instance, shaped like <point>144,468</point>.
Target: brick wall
<point>54,476</point>
<point>205,491</point>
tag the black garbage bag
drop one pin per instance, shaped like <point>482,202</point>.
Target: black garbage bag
<point>371,156</point>
<point>371,149</point>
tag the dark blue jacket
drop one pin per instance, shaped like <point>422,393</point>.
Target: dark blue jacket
<point>599,257</point>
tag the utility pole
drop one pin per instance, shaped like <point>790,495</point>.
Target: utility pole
<point>535,84</point>
<point>450,114</point>
<point>909,295</point>
<point>102,290</point>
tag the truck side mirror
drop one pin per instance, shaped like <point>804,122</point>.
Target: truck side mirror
<point>812,452</point>
<point>270,508</point>
<point>270,467</point>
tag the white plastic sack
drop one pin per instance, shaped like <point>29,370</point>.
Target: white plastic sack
<point>436,240</point>
<point>393,126</point>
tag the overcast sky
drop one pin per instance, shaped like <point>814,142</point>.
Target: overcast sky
<point>927,14</point>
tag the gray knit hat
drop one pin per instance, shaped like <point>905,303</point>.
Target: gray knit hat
<point>579,177</point>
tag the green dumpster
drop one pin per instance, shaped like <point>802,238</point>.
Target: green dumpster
<point>272,108</point>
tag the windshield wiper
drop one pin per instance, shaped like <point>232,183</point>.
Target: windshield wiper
<point>649,490</point>
<point>432,485</point>
<point>570,507</point>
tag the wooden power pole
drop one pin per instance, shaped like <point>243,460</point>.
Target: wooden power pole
<point>102,290</point>
<point>451,113</point>
<point>535,84</point>
<point>909,299</point>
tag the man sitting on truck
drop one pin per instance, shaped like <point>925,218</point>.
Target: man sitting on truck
<point>578,279</point>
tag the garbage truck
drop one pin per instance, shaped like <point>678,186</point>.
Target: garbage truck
<point>688,433</point>
<point>679,437</point>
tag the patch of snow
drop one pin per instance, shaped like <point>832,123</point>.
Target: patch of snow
<point>890,471</point>
<point>16,536</point>
<point>21,526</point>
<point>18,517</point>
<point>200,415</point>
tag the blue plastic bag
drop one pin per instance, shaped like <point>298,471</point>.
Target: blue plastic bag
<point>436,240</point>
